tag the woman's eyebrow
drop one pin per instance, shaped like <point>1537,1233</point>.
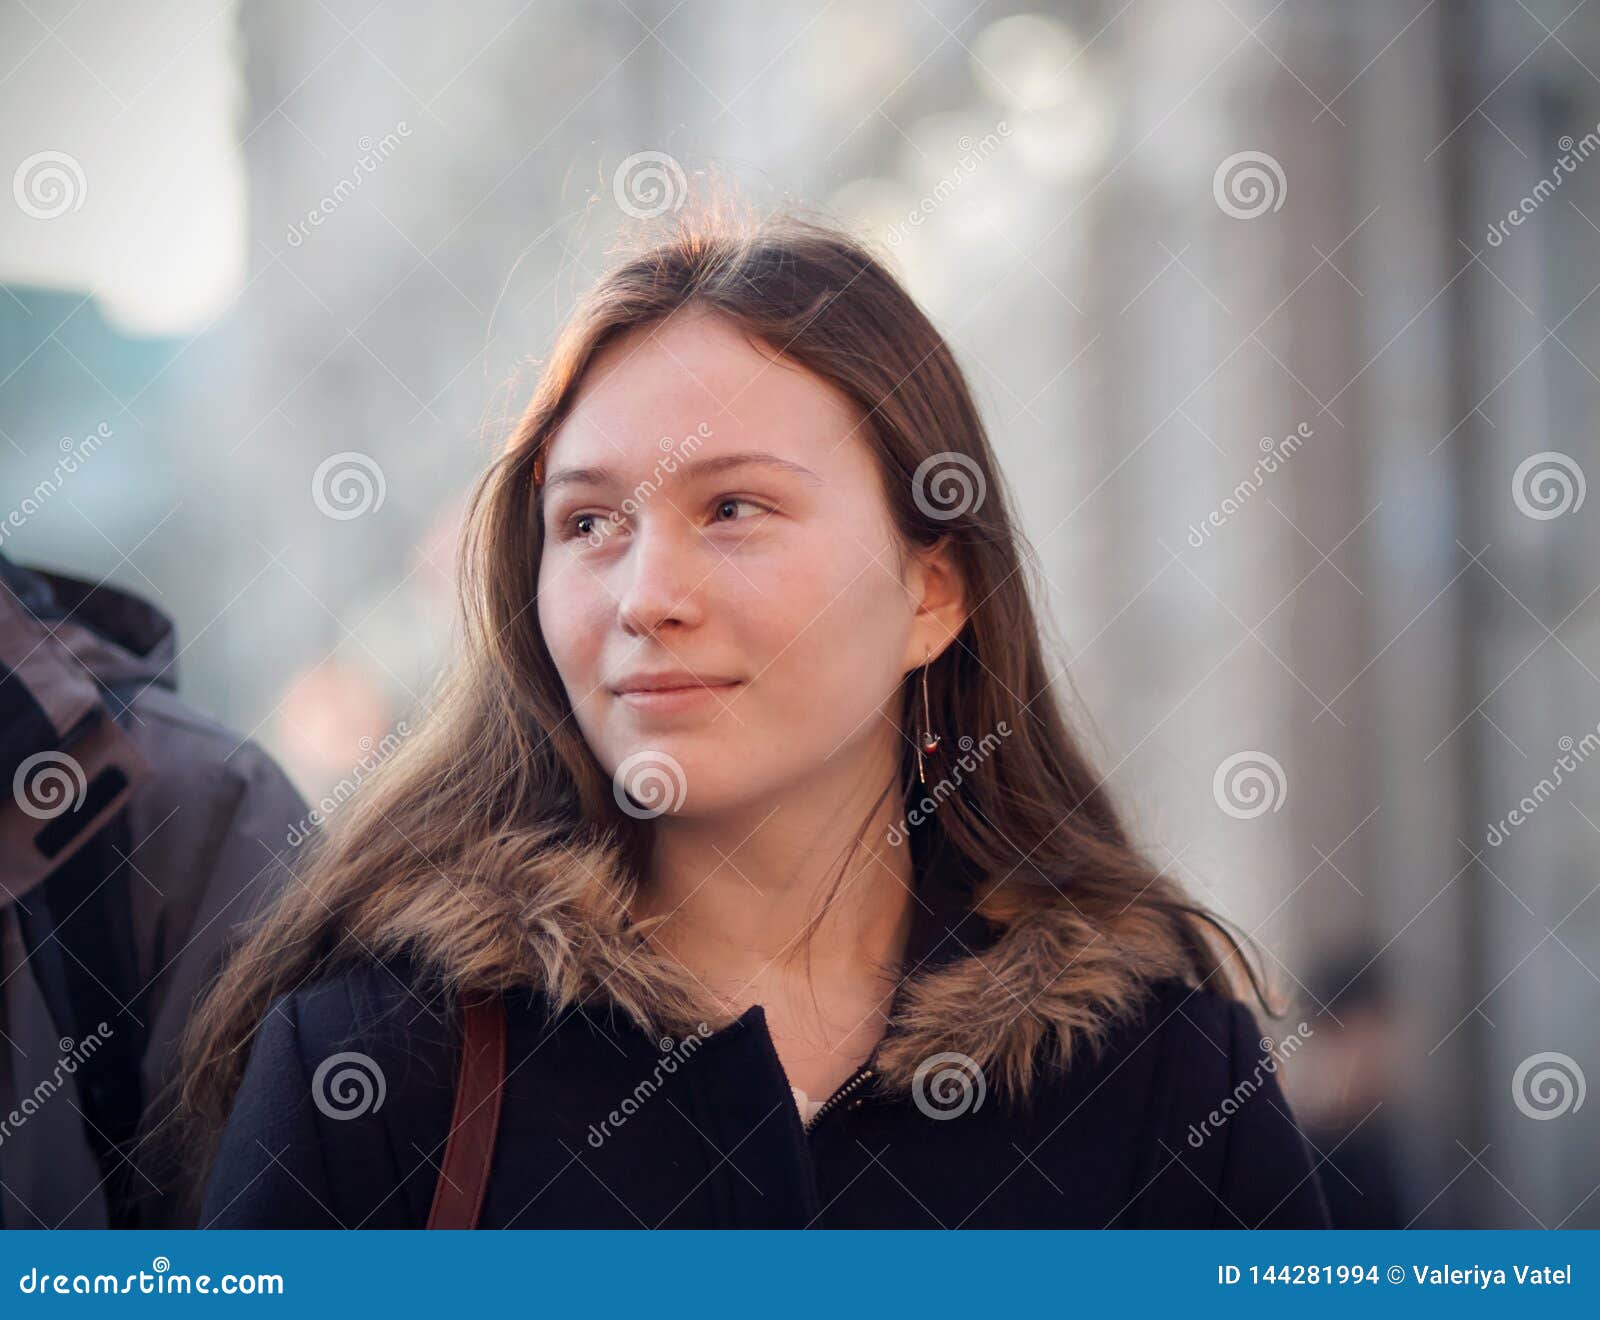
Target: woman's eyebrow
<point>601,476</point>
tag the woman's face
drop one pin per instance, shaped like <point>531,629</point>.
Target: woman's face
<point>715,526</point>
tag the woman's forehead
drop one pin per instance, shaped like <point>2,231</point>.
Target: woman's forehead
<point>702,379</point>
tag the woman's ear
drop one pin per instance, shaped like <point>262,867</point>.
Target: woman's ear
<point>942,606</point>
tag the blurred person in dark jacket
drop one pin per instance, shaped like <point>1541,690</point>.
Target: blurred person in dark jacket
<point>135,836</point>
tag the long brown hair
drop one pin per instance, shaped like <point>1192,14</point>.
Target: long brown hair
<point>492,848</point>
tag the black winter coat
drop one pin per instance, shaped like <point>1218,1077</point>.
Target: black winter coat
<point>345,1107</point>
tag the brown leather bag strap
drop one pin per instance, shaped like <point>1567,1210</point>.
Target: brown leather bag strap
<point>464,1174</point>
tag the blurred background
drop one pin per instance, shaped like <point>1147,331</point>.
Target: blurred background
<point>1282,316</point>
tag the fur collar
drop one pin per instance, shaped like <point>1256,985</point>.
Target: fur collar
<point>1011,996</point>
<point>1038,991</point>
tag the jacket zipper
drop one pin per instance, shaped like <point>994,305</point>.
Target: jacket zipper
<point>846,1088</point>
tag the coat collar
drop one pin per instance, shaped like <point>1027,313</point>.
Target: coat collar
<point>997,970</point>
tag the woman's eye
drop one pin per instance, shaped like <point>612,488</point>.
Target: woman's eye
<point>590,527</point>
<point>733,503</point>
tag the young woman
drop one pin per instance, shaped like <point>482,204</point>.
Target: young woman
<point>750,819</point>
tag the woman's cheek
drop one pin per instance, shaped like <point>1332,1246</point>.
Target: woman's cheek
<point>568,619</point>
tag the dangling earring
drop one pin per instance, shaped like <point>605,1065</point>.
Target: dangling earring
<point>927,739</point>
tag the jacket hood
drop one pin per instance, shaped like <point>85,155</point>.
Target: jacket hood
<point>115,635</point>
<point>72,766</point>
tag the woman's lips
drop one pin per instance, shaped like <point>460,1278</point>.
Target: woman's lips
<point>662,701</point>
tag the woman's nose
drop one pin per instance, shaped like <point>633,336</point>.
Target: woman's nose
<point>661,581</point>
